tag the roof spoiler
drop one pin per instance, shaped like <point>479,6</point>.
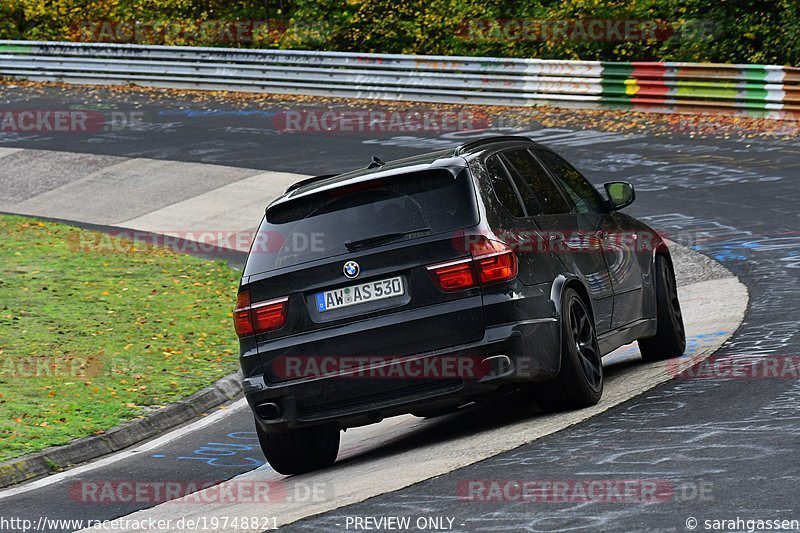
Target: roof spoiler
<point>298,184</point>
<point>375,162</point>
<point>466,147</point>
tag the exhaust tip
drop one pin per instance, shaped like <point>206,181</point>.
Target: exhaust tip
<point>269,411</point>
<point>496,366</point>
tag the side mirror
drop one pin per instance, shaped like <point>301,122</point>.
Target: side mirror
<point>620,194</point>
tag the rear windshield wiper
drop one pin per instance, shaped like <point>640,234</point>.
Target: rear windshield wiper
<point>379,239</point>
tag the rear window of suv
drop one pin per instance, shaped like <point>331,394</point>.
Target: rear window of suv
<point>317,227</point>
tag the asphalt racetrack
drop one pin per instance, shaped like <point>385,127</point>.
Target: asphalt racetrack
<point>717,447</point>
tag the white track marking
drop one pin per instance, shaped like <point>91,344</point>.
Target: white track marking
<point>125,454</point>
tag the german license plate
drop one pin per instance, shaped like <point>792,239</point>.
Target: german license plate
<point>359,294</point>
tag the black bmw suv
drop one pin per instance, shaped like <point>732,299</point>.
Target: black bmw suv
<point>422,284</point>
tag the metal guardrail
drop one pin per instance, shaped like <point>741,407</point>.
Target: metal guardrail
<point>445,79</point>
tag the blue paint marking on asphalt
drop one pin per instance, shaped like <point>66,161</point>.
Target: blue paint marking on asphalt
<point>738,250</point>
<point>727,250</point>
<point>158,455</point>
<point>729,256</point>
<point>227,454</point>
<point>693,343</point>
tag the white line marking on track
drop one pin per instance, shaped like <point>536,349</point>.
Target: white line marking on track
<point>125,454</point>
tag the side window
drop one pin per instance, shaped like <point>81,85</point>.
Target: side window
<point>503,189</point>
<point>583,195</point>
<point>538,191</point>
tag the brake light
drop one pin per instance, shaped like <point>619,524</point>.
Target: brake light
<point>271,315</point>
<point>260,317</point>
<point>241,315</point>
<point>495,261</point>
<point>453,276</point>
<point>491,262</point>
<point>358,187</point>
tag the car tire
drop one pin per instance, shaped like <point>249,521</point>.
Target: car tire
<point>670,338</point>
<point>580,382</point>
<point>297,451</point>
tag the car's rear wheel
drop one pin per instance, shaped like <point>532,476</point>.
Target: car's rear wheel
<point>670,338</point>
<point>580,381</point>
<point>300,450</point>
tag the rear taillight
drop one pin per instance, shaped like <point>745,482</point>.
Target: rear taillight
<point>495,261</point>
<point>260,317</point>
<point>491,262</point>
<point>268,316</point>
<point>241,315</point>
<point>453,276</point>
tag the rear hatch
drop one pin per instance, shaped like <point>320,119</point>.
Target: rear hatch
<point>383,233</point>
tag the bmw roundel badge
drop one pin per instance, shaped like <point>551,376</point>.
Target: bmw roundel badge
<point>351,269</point>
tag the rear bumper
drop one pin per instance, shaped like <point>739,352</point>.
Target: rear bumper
<point>365,395</point>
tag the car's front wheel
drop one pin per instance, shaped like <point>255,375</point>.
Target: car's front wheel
<point>670,338</point>
<point>580,381</point>
<point>301,450</point>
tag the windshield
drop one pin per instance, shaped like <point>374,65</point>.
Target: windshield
<point>399,208</point>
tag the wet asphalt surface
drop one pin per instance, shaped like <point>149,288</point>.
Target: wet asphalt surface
<point>716,448</point>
